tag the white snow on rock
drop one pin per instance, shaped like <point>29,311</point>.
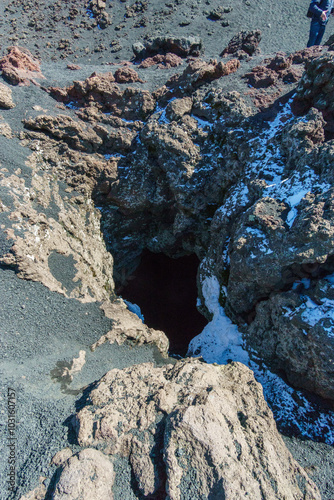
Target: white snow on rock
<point>221,341</point>
<point>324,313</point>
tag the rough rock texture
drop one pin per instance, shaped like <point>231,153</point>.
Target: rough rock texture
<point>266,221</point>
<point>199,72</point>
<point>36,236</point>
<point>6,101</point>
<point>190,161</point>
<point>38,493</point>
<point>282,68</point>
<point>290,338</point>
<point>127,75</point>
<point>86,475</point>
<point>274,69</point>
<point>100,91</point>
<point>98,10</point>
<point>316,89</point>
<point>71,232</point>
<point>189,428</point>
<point>163,61</point>
<point>183,46</point>
<point>5,129</point>
<point>19,67</point>
<point>179,167</point>
<point>244,43</point>
<point>128,327</point>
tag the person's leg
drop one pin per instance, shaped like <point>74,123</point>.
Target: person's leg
<point>320,34</point>
<point>314,30</point>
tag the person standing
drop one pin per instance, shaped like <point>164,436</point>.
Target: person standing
<point>321,10</point>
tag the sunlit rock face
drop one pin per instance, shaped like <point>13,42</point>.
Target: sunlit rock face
<point>195,420</point>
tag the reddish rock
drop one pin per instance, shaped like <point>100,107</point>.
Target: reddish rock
<point>305,55</point>
<point>199,72</point>
<point>73,67</point>
<point>19,67</point>
<point>277,69</point>
<point>163,61</point>
<point>100,91</point>
<point>127,75</point>
<point>261,77</point>
<point>263,98</point>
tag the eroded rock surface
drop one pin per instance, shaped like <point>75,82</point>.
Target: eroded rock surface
<point>193,166</point>
<point>187,430</point>
<point>19,67</point>
<point>243,44</point>
<point>181,46</point>
<point>100,91</point>
<point>6,100</point>
<point>316,89</point>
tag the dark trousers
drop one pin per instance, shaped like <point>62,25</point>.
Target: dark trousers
<point>317,31</point>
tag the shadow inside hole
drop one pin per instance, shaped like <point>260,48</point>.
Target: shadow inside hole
<point>165,289</point>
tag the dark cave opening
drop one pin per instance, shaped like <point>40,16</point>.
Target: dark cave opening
<point>165,289</point>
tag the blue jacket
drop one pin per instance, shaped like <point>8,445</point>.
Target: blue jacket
<point>318,6</point>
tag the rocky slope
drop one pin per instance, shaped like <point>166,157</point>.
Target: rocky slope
<point>228,157</point>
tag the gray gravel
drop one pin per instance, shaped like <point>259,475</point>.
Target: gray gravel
<point>41,330</point>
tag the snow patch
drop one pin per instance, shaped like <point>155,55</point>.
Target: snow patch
<point>221,341</point>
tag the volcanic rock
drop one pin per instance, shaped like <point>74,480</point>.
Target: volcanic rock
<point>191,418</point>
<point>163,61</point>
<point>19,67</point>
<point>178,108</point>
<point>183,47</point>
<point>279,68</point>
<point>6,101</point>
<point>199,72</point>
<point>98,9</point>
<point>100,91</point>
<point>245,42</point>
<point>127,75</point>
<point>289,337</point>
<point>315,89</point>
<point>87,475</point>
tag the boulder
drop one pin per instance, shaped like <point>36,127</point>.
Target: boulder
<point>163,61</point>
<point>315,90</point>
<point>100,91</point>
<point>19,67</point>
<point>293,331</point>
<point>178,108</point>
<point>181,46</point>
<point>245,42</point>
<point>127,75</point>
<point>87,475</point>
<point>189,427</point>
<point>6,101</point>
<point>200,72</point>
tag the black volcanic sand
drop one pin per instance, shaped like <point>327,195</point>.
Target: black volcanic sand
<point>41,331</point>
<point>63,30</point>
